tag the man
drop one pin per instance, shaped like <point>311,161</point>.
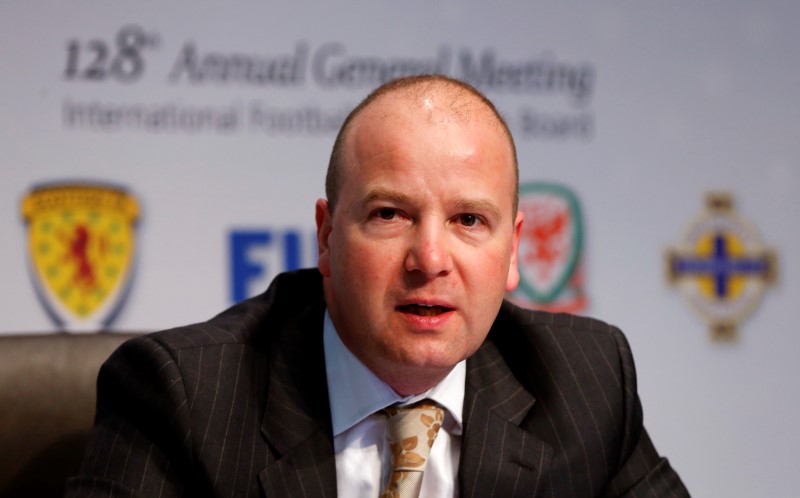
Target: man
<point>292,393</point>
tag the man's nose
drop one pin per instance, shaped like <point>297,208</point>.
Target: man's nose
<point>429,252</point>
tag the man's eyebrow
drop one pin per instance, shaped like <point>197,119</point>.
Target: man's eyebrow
<point>478,206</point>
<point>464,205</point>
<point>384,194</point>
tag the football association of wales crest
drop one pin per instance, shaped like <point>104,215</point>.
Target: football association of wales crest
<point>550,249</point>
<point>721,266</point>
<point>81,244</point>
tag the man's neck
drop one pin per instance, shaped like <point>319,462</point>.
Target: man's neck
<point>407,381</point>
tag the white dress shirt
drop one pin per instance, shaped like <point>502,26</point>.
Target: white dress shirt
<point>363,460</point>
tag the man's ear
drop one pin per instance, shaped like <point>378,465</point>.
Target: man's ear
<point>513,269</point>
<point>323,217</point>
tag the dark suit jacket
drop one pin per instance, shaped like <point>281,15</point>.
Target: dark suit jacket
<point>238,406</point>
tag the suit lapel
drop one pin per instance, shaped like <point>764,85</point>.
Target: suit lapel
<point>296,421</point>
<point>498,458</point>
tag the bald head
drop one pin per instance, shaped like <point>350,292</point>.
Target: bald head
<point>454,101</point>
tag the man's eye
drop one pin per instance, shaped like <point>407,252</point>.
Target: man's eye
<point>386,213</point>
<point>468,220</point>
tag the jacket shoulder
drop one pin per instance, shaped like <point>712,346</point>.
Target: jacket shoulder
<point>543,329</point>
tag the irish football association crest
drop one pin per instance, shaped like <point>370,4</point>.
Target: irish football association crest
<point>721,266</point>
<point>550,250</point>
<point>81,243</point>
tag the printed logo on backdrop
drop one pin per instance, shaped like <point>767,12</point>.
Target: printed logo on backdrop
<point>550,250</point>
<point>81,246</point>
<point>721,266</point>
<point>259,255</point>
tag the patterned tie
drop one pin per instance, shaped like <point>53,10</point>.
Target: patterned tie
<point>411,431</point>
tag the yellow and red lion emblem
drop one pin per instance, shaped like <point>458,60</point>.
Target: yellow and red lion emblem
<point>81,241</point>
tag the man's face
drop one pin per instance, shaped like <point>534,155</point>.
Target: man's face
<point>423,242</point>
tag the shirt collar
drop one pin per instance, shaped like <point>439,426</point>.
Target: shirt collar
<point>356,393</point>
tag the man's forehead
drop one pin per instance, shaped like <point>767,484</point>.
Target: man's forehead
<point>390,130</point>
<point>392,116</point>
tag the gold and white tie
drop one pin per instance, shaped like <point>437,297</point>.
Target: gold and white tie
<point>410,431</point>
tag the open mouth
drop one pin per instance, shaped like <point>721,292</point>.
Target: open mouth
<point>423,310</point>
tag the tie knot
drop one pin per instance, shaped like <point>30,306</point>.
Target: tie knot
<point>411,431</point>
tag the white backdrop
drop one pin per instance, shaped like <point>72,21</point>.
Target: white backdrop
<point>658,105</point>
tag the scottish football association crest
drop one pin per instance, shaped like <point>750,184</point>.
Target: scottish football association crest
<point>81,242</point>
<point>721,266</point>
<point>550,249</point>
